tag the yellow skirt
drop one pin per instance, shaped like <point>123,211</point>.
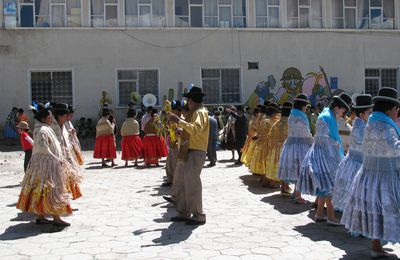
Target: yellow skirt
<point>246,157</point>
<point>272,160</point>
<point>258,162</point>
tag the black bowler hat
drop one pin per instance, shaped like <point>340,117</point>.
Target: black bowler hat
<point>61,107</point>
<point>287,105</point>
<point>363,101</point>
<point>273,106</point>
<point>388,95</point>
<point>71,108</point>
<point>194,92</point>
<point>301,98</point>
<point>344,99</point>
<point>263,109</point>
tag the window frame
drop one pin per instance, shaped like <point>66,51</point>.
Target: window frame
<point>239,68</point>
<point>51,71</point>
<point>203,16</point>
<point>104,15</point>
<point>117,105</point>
<point>138,5</point>
<point>20,4</point>
<point>310,16</point>
<point>268,15</point>
<point>343,18</point>
<point>380,68</point>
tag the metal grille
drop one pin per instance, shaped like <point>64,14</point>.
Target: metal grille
<point>379,78</point>
<point>53,86</point>
<point>221,85</point>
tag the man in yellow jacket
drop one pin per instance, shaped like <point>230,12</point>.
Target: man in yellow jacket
<point>194,131</point>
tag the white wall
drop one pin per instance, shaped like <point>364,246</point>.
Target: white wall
<point>94,54</point>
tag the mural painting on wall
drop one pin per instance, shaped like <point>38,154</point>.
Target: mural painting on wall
<point>314,84</point>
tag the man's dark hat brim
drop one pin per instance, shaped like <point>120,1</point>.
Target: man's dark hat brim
<point>364,102</point>
<point>194,92</point>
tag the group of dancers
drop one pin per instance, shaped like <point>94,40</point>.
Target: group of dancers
<point>364,184</point>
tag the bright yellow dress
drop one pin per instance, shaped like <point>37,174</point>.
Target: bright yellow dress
<point>252,131</point>
<point>276,138</point>
<point>260,153</point>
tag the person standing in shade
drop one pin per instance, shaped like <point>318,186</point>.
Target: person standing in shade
<point>212,142</point>
<point>372,208</point>
<point>240,130</point>
<point>131,143</point>
<point>26,142</point>
<point>192,155</point>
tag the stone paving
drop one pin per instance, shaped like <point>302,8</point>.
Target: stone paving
<point>123,215</point>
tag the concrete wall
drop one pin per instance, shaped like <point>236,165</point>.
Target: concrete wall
<point>94,55</point>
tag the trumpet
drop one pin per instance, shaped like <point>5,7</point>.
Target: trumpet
<point>221,109</point>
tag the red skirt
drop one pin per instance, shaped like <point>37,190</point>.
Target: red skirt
<point>132,147</point>
<point>154,148</point>
<point>104,147</point>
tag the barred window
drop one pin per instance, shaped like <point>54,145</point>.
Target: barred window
<point>221,85</point>
<point>53,86</point>
<point>145,13</point>
<point>42,13</point>
<point>210,13</point>
<point>136,80</point>
<point>376,78</point>
<point>268,13</point>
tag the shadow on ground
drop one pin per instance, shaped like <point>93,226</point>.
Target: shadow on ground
<point>24,230</point>
<point>11,186</point>
<point>254,185</point>
<point>355,248</point>
<point>285,205</point>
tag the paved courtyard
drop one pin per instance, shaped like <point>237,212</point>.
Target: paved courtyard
<point>123,215</point>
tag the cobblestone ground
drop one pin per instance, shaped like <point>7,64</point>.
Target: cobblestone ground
<point>123,215</point>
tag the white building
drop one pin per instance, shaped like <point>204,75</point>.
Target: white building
<point>71,50</point>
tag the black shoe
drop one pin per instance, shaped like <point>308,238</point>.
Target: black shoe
<point>238,163</point>
<point>43,221</point>
<point>166,184</point>
<point>211,165</point>
<point>169,199</point>
<point>178,219</point>
<point>61,224</point>
<point>193,222</point>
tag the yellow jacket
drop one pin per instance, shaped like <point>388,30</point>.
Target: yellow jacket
<point>198,128</point>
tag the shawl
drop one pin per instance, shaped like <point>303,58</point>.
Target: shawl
<point>299,113</point>
<point>382,117</point>
<point>130,127</point>
<point>104,127</point>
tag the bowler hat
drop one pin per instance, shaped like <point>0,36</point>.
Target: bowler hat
<point>287,105</point>
<point>363,101</point>
<point>61,107</point>
<point>194,92</point>
<point>388,95</point>
<point>301,97</point>
<point>273,106</point>
<point>344,99</point>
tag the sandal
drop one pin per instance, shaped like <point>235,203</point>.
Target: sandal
<point>43,221</point>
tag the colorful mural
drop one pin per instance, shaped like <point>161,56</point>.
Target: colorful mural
<point>314,84</point>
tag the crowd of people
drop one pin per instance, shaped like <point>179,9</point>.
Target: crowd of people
<point>285,145</point>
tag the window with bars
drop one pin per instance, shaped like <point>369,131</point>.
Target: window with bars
<point>142,81</point>
<point>221,85</point>
<point>104,13</point>
<point>43,13</point>
<point>304,13</point>
<point>210,13</point>
<point>363,14</point>
<point>53,86</point>
<point>268,13</point>
<point>145,13</point>
<point>376,78</point>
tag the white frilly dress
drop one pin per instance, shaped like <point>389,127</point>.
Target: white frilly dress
<point>349,166</point>
<point>295,147</point>
<point>373,205</point>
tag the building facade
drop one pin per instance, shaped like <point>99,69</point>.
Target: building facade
<point>239,51</point>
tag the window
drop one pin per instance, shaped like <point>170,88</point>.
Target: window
<point>145,13</point>
<point>375,14</point>
<point>104,13</point>
<point>210,13</point>
<point>44,13</point>
<point>136,80</point>
<point>344,14</point>
<point>304,13</point>
<point>53,86</point>
<point>267,13</point>
<point>376,78</point>
<point>221,85</point>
